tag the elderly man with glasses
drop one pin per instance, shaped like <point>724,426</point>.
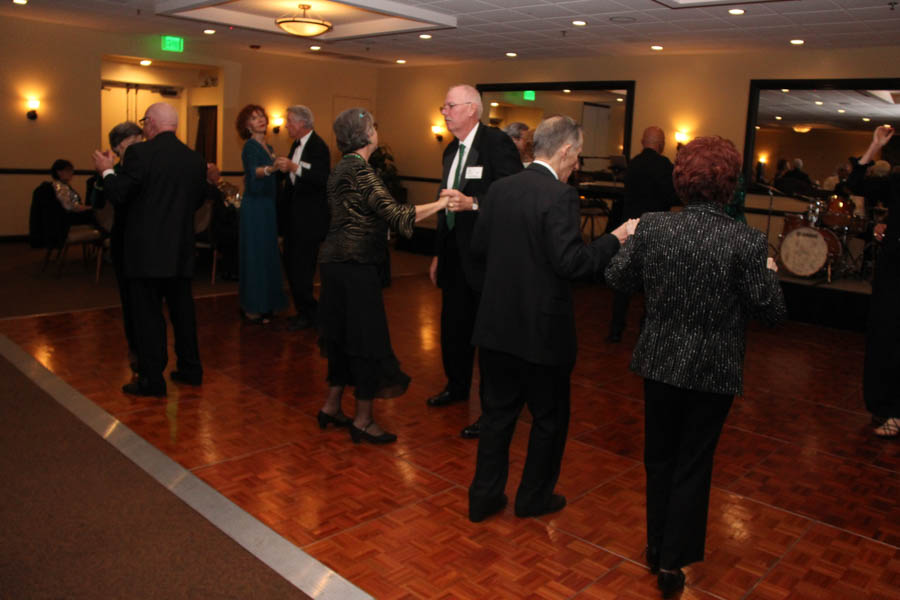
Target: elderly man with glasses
<point>478,156</point>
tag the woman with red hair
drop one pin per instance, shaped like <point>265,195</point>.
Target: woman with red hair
<point>704,275</point>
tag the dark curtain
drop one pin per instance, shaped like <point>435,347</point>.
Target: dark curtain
<point>206,132</point>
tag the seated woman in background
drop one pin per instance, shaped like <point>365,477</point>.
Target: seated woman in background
<point>704,276</point>
<point>351,307</point>
<point>77,212</point>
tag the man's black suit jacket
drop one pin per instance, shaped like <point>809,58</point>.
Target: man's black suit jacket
<point>495,153</point>
<point>307,210</point>
<point>529,233</point>
<point>648,185</point>
<point>163,182</point>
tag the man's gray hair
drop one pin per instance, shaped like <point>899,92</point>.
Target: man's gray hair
<point>352,128</point>
<point>515,130</point>
<point>301,113</point>
<point>122,132</point>
<point>553,133</point>
<point>472,95</point>
<point>798,163</point>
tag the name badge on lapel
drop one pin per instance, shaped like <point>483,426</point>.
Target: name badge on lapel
<point>474,172</point>
<point>305,165</point>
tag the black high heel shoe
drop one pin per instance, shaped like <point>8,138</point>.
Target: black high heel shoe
<point>670,582</point>
<point>338,420</point>
<point>359,435</point>
<point>652,559</point>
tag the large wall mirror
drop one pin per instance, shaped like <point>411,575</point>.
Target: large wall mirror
<point>820,121</point>
<point>603,108</point>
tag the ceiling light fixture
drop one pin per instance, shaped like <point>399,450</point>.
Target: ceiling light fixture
<point>303,25</point>
<point>424,36</point>
<point>819,103</point>
<point>656,48</point>
<point>401,61</point>
<point>777,118</point>
<point>567,91</point>
<point>22,2</point>
<point>511,54</point>
<point>579,23</point>
<point>785,90</point>
<point>146,63</point>
<point>209,31</point>
<point>798,42</point>
<point>841,110</point>
<point>736,11</point>
<point>619,100</point>
<point>866,119</point>
<point>315,48</point>
<point>802,128</point>
<point>495,104</point>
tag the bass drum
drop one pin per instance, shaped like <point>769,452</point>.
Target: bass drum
<point>805,251</point>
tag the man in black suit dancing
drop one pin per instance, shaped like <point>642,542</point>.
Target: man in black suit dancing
<point>525,329</point>
<point>477,157</point>
<point>307,166</point>
<point>163,182</point>
<point>648,188</point>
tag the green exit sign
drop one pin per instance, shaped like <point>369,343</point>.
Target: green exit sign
<point>172,43</point>
<point>528,95</point>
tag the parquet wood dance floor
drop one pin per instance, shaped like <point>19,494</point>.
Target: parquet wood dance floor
<point>805,504</point>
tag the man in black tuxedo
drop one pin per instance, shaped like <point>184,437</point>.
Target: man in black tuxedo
<point>477,157</point>
<point>307,166</point>
<point>525,330</point>
<point>163,182</point>
<point>648,188</point>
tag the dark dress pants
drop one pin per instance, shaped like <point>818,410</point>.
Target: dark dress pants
<point>459,306</point>
<point>619,312</point>
<point>300,257</point>
<point>681,430</point>
<point>510,383</point>
<point>881,366</point>
<point>147,295</point>
<point>117,252</point>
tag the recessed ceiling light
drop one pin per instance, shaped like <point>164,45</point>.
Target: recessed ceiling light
<point>797,42</point>
<point>315,48</point>
<point>622,19</point>
<point>777,118</point>
<point>511,54</point>
<point>209,31</point>
<point>619,100</point>
<point>495,104</point>
<point>656,48</point>
<point>841,110</point>
<point>20,2</point>
<point>866,119</point>
<point>146,63</point>
<point>785,90</point>
<point>819,103</point>
<point>579,23</point>
<point>567,91</point>
<point>736,11</point>
<point>401,61</point>
<point>424,36</point>
<point>756,127</point>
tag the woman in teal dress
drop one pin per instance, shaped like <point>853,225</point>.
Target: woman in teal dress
<point>261,287</point>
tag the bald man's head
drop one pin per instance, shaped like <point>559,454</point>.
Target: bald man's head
<point>654,138</point>
<point>159,117</point>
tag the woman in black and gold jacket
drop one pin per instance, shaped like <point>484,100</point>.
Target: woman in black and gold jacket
<point>704,275</point>
<point>354,325</point>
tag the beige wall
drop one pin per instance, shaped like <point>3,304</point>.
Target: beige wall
<point>62,67</point>
<point>702,95</point>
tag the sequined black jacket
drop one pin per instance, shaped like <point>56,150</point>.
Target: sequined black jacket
<point>704,276</point>
<point>361,210</point>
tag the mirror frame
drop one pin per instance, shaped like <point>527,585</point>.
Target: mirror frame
<point>756,85</point>
<point>556,86</point>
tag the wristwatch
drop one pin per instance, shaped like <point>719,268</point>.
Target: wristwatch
<point>474,203</point>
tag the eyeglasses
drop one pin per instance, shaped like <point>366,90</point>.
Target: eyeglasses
<point>450,105</point>
<point>143,121</point>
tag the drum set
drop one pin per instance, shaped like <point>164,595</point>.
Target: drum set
<point>817,241</point>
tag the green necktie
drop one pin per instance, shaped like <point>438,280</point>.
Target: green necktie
<point>451,216</point>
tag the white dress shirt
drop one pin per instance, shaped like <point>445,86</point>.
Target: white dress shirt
<point>467,143</point>
<point>295,157</point>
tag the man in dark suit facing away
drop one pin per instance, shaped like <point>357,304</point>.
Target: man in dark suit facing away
<point>307,166</point>
<point>477,157</point>
<point>163,182</point>
<point>648,188</point>
<point>525,329</point>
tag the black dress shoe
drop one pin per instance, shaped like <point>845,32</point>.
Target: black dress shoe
<point>361,435</point>
<point>338,420</point>
<point>556,504</point>
<point>141,387</point>
<point>180,377</point>
<point>652,559</point>
<point>477,514</point>
<point>614,338</point>
<point>442,399</point>
<point>878,421</point>
<point>471,432</point>
<point>670,583</point>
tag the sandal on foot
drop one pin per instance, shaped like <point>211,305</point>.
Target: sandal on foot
<point>889,429</point>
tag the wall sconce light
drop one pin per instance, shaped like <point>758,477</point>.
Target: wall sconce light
<point>33,104</point>
<point>763,158</point>
<point>682,137</point>
<point>438,132</point>
<point>277,122</point>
